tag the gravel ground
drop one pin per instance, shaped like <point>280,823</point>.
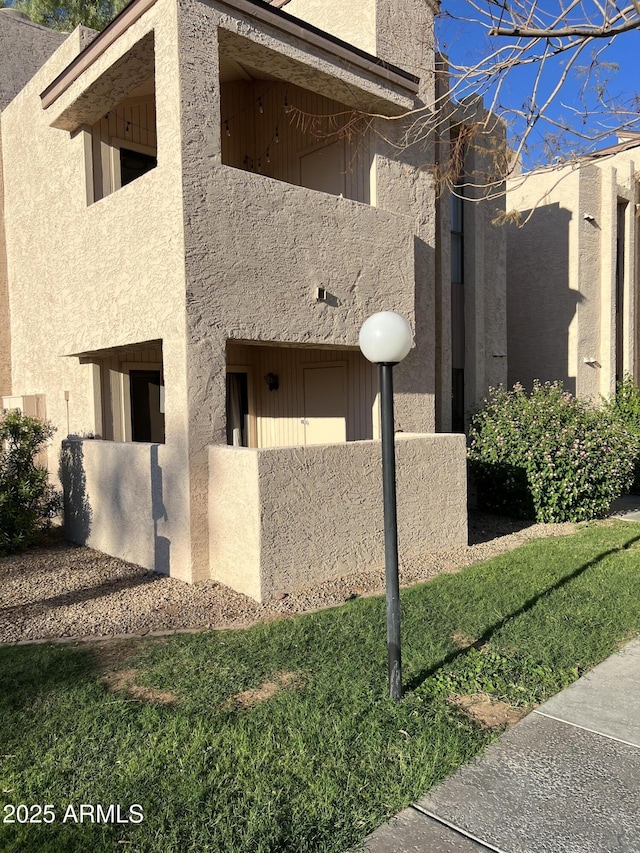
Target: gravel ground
<point>60,590</point>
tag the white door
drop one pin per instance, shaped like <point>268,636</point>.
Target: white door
<point>325,404</point>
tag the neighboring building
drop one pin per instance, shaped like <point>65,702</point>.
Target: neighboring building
<point>470,268</point>
<point>572,272</point>
<point>24,48</point>
<point>191,254</point>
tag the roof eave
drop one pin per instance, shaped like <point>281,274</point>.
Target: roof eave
<point>256,9</point>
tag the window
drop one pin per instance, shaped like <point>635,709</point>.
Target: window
<point>457,309</point>
<point>121,162</point>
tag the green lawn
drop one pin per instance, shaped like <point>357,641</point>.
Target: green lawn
<point>281,737</point>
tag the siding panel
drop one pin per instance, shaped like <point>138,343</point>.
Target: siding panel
<point>273,140</point>
<point>279,413</point>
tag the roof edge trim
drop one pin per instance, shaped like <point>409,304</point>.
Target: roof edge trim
<point>95,49</point>
<point>296,26</point>
<point>254,8</point>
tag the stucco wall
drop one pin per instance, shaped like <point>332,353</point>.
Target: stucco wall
<point>394,30</point>
<point>402,183</point>
<point>356,26</point>
<point>85,277</point>
<point>253,266</point>
<point>256,248</point>
<point>485,259</point>
<point>118,497</point>
<point>313,513</point>
<point>24,47</point>
<point>5,327</point>
<point>590,245</point>
<point>542,292</point>
<point>233,520</point>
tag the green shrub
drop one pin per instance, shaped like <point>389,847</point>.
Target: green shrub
<point>548,456</point>
<point>27,499</point>
<point>625,405</point>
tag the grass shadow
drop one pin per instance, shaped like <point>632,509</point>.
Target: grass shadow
<point>420,677</point>
<point>27,672</point>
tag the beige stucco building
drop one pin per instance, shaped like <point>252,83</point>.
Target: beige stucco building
<point>573,272</point>
<point>24,46</point>
<point>189,254</point>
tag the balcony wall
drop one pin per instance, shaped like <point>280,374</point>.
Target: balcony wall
<point>289,517</point>
<point>259,247</point>
<point>254,256</point>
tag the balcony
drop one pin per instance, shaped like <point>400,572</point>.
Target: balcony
<point>258,249</point>
<point>282,131</point>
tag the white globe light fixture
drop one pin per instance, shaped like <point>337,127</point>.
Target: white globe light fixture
<point>385,339</point>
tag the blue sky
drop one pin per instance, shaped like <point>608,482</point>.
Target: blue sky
<point>465,43</point>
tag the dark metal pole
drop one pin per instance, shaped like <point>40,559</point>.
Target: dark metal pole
<point>390,531</point>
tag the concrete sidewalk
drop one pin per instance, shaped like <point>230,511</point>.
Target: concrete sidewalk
<point>564,780</point>
<point>627,508</point>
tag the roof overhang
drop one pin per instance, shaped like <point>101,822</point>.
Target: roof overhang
<point>95,49</point>
<point>404,84</point>
<point>89,356</point>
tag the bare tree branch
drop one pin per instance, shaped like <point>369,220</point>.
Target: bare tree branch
<point>559,45</point>
<point>605,31</point>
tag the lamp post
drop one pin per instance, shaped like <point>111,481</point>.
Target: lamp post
<point>385,339</point>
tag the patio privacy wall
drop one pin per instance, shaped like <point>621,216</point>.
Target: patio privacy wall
<point>287,517</point>
<point>125,499</point>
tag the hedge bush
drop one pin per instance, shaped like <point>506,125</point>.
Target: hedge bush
<point>548,456</point>
<point>625,405</point>
<point>28,501</point>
